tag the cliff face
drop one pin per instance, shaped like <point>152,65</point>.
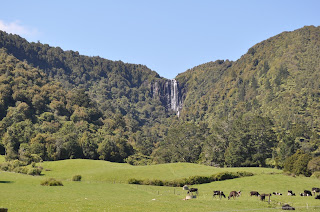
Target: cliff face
<point>169,93</point>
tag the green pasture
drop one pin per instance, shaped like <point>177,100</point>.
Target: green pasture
<point>103,188</point>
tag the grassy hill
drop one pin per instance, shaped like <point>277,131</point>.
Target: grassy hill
<point>98,192</point>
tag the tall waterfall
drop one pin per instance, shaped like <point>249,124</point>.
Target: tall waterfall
<point>175,106</point>
<point>169,93</point>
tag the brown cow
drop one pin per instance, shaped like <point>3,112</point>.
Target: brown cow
<point>263,196</point>
<point>234,194</point>
<point>254,193</point>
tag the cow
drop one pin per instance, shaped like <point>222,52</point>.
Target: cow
<point>287,207</point>
<point>254,193</point>
<point>317,197</point>
<point>306,193</point>
<point>263,196</point>
<point>234,194</point>
<point>219,193</point>
<point>315,190</point>
<point>277,193</point>
<point>290,193</point>
<point>193,190</point>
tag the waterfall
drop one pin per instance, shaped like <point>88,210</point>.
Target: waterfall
<point>175,96</point>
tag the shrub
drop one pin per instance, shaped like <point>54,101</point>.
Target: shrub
<point>316,175</point>
<point>76,178</point>
<point>51,182</point>
<point>198,180</point>
<point>225,176</point>
<point>244,174</point>
<point>34,171</point>
<point>134,181</point>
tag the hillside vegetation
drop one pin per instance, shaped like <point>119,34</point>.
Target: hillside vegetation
<point>275,83</point>
<point>260,110</point>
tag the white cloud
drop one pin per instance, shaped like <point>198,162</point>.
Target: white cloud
<point>17,28</point>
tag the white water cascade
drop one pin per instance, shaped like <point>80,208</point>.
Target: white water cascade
<point>174,96</point>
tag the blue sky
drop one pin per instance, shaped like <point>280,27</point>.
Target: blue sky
<point>169,36</point>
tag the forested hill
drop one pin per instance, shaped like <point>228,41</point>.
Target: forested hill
<point>127,102</point>
<point>278,78</point>
<point>256,111</point>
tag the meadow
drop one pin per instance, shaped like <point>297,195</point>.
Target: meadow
<point>104,188</point>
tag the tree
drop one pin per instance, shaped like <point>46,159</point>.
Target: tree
<point>314,164</point>
<point>182,144</point>
<point>251,141</point>
<point>298,163</point>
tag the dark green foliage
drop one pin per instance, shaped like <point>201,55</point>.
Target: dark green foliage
<point>20,167</point>
<point>298,164</point>
<point>192,180</point>
<point>76,178</point>
<point>251,143</point>
<point>314,165</point>
<point>134,181</point>
<point>51,182</point>
<point>138,159</point>
<point>183,144</point>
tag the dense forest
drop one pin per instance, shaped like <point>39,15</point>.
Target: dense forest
<point>260,110</point>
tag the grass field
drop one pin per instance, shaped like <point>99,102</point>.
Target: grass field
<point>103,188</point>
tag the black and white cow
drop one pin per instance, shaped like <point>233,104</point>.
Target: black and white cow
<point>290,193</point>
<point>315,190</point>
<point>306,193</point>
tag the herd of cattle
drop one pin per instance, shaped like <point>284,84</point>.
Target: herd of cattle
<point>234,194</point>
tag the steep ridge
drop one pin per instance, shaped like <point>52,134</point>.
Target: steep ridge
<point>277,78</point>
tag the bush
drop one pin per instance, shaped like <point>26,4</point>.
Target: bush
<point>198,180</point>
<point>316,175</point>
<point>76,178</point>
<point>34,171</point>
<point>134,181</point>
<point>224,176</point>
<point>51,182</point>
<point>20,167</point>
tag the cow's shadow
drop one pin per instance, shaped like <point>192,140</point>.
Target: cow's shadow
<point>5,181</point>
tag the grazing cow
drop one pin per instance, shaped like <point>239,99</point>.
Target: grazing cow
<point>277,193</point>
<point>193,190</point>
<point>306,193</point>
<point>234,194</point>
<point>219,193</point>
<point>254,193</point>
<point>290,193</point>
<point>287,207</point>
<point>263,196</point>
<point>317,197</point>
<point>315,190</point>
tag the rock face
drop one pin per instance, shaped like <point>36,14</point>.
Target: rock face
<point>169,94</point>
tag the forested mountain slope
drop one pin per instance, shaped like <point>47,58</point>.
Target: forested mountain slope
<point>255,111</point>
<point>278,78</point>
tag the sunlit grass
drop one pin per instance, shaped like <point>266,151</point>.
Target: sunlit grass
<point>100,189</point>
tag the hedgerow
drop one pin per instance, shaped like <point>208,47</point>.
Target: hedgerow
<point>192,180</point>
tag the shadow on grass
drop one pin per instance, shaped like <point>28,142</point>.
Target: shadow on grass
<point>5,181</point>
